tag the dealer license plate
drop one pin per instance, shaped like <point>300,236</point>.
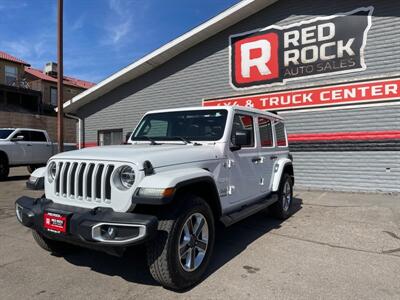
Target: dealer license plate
<point>54,222</point>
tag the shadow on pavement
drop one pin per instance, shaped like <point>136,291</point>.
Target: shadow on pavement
<point>230,242</point>
<point>17,178</point>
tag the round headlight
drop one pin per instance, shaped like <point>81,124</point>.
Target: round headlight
<point>126,177</point>
<point>51,171</point>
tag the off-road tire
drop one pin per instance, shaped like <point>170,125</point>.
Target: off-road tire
<point>162,251</point>
<point>277,209</point>
<point>4,167</point>
<point>52,246</point>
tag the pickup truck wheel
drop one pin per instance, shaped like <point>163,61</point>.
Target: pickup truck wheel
<point>180,254</point>
<point>51,245</point>
<point>281,208</point>
<point>4,168</point>
<point>31,168</point>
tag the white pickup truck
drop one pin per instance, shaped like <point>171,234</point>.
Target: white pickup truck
<point>25,147</point>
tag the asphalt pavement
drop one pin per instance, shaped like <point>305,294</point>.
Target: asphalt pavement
<point>335,246</point>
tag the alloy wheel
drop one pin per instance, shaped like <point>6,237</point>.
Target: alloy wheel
<point>193,242</point>
<point>286,196</point>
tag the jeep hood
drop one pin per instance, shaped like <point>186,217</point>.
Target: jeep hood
<point>158,155</point>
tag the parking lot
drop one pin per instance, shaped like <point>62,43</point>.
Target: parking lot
<point>335,246</point>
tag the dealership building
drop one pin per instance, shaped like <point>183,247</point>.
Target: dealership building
<point>330,68</point>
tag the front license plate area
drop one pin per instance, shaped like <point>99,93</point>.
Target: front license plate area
<point>55,222</point>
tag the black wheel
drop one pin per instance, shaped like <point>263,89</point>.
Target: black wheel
<point>281,208</point>
<point>180,254</point>
<point>51,245</point>
<point>4,167</point>
<point>31,168</point>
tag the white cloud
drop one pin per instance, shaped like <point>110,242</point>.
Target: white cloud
<point>13,5</point>
<point>76,24</point>
<point>119,23</point>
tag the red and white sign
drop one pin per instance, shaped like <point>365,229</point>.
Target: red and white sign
<point>311,48</point>
<point>55,222</point>
<point>346,94</point>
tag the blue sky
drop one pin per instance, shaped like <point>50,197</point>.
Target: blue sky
<point>100,36</point>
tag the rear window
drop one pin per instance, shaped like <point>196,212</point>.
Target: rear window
<point>37,136</point>
<point>280,135</point>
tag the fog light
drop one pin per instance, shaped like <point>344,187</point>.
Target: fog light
<point>109,232</point>
<point>113,233</point>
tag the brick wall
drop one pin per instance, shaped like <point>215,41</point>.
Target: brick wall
<point>13,119</point>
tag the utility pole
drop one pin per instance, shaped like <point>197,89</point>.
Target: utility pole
<point>60,75</point>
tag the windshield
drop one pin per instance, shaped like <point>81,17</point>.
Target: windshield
<point>5,133</point>
<point>197,125</point>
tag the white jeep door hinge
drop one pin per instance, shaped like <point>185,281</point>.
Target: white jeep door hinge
<point>229,163</point>
<point>231,188</point>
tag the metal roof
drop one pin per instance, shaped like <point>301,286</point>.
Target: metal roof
<point>9,57</point>
<point>67,80</point>
<point>200,33</point>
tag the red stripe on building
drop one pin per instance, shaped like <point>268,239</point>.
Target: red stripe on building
<point>90,144</point>
<point>346,136</point>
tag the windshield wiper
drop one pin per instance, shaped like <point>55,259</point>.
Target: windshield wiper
<point>185,140</point>
<point>152,141</point>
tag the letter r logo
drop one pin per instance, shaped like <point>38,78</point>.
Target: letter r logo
<point>254,59</point>
<point>260,62</point>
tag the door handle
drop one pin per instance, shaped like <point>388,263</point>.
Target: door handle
<point>29,145</point>
<point>256,160</point>
<point>273,157</point>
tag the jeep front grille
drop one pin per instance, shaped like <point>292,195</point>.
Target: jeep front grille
<point>84,181</point>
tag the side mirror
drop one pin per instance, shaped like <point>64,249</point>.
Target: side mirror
<point>127,136</point>
<point>240,138</point>
<point>17,138</point>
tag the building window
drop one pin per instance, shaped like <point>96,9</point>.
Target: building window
<point>53,96</point>
<point>280,133</point>
<point>11,75</point>
<point>265,128</point>
<point>110,137</point>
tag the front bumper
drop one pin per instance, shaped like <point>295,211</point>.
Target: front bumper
<point>84,227</point>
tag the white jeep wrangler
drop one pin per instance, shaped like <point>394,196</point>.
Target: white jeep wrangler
<point>184,170</point>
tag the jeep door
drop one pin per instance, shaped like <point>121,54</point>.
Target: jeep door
<point>243,174</point>
<point>267,155</point>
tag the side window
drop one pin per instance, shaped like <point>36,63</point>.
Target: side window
<point>245,123</point>
<point>11,74</point>
<point>280,135</point>
<point>26,134</point>
<point>53,96</point>
<point>265,128</point>
<point>37,136</point>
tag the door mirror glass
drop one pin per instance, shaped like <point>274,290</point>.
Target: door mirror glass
<point>17,138</point>
<point>241,138</point>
